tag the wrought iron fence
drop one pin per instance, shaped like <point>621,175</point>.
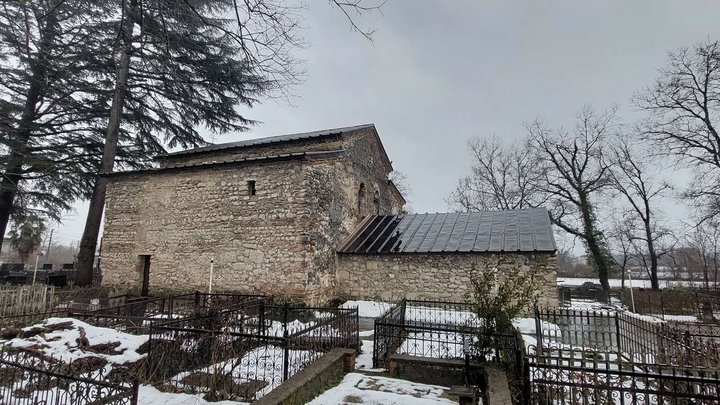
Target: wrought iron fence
<point>244,351</point>
<point>630,336</point>
<point>591,376</point>
<point>612,357</point>
<point>137,315</point>
<point>446,330</point>
<point>27,378</point>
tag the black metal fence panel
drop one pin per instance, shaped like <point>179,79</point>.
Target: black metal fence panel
<point>581,376</point>
<point>27,379</point>
<point>444,330</point>
<point>621,358</point>
<point>242,352</point>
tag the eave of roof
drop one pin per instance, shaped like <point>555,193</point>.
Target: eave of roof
<point>250,160</point>
<point>326,133</point>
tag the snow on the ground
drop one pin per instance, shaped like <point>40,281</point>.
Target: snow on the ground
<point>677,318</point>
<point>262,363</point>
<point>438,345</point>
<point>368,309</point>
<point>364,360</point>
<point>371,390</point>
<point>63,344</point>
<point>591,305</point>
<point>367,332</point>
<point>614,282</point>
<point>437,315</point>
<point>149,395</point>
<point>526,326</point>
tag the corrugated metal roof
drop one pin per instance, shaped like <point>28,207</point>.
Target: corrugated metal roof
<point>269,140</point>
<point>526,230</point>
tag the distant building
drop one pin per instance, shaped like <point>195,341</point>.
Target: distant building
<point>291,215</point>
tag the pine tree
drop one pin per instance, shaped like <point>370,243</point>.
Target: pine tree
<point>181,66</point>
<point>54,99</point>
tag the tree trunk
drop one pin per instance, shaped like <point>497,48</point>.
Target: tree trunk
<point>654,282</point>
<point>12,175</point>
<point>88,244</point>
<point>593,243</point>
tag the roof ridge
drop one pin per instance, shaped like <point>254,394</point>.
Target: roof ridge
<point>267,140</point>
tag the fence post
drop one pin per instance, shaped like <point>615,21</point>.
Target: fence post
<point>286,349</point>
<point>357,329</point>
<point>261,319</point>
<point>526,380</point>
<point>135,394</point>
<point>662,305</point>
<point>617,334</point>
<point>538,328</point>
<point>197,299</point>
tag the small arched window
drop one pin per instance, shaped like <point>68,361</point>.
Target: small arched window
<point>361,200</point>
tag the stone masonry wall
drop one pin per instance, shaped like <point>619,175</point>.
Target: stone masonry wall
<point>333,193</point>
<point>184,218</point>
<point>281,241</point>
<point>436,276</point>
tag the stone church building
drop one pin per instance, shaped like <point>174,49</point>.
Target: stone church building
<point>310,215</point>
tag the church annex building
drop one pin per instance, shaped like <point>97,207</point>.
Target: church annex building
<point>311,216</point>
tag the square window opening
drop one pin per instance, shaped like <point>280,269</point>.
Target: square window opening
<point>251,187</point>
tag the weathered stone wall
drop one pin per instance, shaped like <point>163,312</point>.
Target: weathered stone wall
<point>333,193</point>
<point>334,142</point>
<point>183,218</point>
<point>280,241</point>
<point>437,276</point>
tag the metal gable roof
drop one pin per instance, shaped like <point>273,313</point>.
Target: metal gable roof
<point>526,230</point>
<point>269,140</point>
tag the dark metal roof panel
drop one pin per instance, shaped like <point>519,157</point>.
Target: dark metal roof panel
<point>498,231</point>
<point>269,140</point>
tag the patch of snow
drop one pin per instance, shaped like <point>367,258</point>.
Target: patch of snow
<point>357,388</point>
<point>368,309</point>
<point>444,316</point>
<point>149,395</point>
<point>367,332</point>
<point>364,360</point>
<point>63,345</point>
<point>438,345</point>
<point>526,326</point>
<point>636,283</point>
<point>262,363</point>
<point>677,318</point>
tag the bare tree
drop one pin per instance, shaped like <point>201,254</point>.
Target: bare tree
<point>621,247</point>
<point>683,107</point>
<point>634,177</point>
<point>574,174</point>
<point>704,241</point>
<point>503,177</point>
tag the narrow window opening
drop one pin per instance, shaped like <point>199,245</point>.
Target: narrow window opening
<point>251,187</point>
<point>376,202</point>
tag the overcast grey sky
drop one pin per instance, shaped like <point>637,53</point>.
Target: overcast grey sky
<point>442,71</point>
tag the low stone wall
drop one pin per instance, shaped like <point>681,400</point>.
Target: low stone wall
<point>427,370</point>
<point>437,276</point>
<point>312,380</point>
